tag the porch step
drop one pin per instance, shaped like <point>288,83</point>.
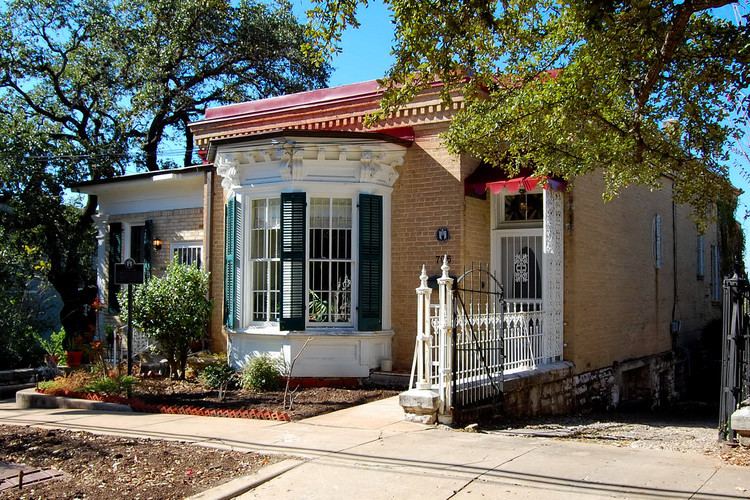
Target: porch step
<point>389,379</point>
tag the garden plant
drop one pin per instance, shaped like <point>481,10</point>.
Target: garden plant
<point>173,311</point>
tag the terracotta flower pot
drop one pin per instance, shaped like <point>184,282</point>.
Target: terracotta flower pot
<point>74,358</point>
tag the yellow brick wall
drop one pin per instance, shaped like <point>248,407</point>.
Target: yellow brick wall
<point>170,226</point>
<point>618,306</point>
<point>218,336</point>
<point>427,195</point>
<point>477,225</point>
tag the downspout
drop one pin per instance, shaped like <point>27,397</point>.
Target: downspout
<point>207,213</point>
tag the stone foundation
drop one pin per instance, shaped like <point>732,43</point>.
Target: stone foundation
<point>555,389</point>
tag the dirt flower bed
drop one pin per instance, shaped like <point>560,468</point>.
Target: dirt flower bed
<point>308,402</point>
<point>190,397</point>
<point>109,467</point>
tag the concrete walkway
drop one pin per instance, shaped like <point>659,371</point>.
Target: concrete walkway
<point>369,452</point>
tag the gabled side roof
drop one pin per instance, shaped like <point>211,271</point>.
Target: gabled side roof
<point>139,176</point>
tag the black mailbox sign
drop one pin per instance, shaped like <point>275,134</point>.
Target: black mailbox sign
<point>129,273</point>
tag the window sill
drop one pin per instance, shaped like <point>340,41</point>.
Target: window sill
<point>273,330</point>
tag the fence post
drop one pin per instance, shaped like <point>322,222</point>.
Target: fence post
<point>735,369</point>
<point>424,338</point>
<point>445,341</point>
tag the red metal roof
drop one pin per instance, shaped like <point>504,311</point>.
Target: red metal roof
<point>325,96</point>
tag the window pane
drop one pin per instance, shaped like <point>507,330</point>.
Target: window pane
<point>187,254</point>
<point>330,265</point>
<point>136,243</point>
<point>534,206</point>
<point>319,213</point>
<point>342,213</point>
<point>523,207</point>
<point>264,257</point>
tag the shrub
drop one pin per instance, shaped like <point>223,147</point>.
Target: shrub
<point>75,381</point>
<point>218,376</point>
<point>112,386</point>
<point>173,311</point>
<point>262,373</point>
<point>81,381</point>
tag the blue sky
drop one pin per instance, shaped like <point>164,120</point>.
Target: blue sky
<point>366,52</point>
<point>366,55</point>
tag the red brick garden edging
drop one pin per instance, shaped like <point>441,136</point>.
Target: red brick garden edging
<point>143,407</point>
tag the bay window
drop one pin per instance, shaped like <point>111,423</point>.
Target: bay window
<point>304,261</point>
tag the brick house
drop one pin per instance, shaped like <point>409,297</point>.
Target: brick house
<point>313,226</point>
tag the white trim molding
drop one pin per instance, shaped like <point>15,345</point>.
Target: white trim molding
<point>553,275</point>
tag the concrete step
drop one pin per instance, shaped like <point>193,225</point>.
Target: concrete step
<point>389,379</point>
<point>9,391</point>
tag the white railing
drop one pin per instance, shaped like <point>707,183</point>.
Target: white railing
<point>523,340</point>
<point>141,343</point>
<point>431,368</point>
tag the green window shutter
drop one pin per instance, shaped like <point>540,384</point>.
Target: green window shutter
<point>237,268</point>
<point>229,262</point>
<point>293,207</point>
<point>370,305</point>
<point>115,257</point>
<point>148,235</point>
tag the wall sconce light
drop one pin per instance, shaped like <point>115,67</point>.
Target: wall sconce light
<point>156,243</point>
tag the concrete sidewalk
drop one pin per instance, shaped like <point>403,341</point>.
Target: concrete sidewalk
<point>370,452</point>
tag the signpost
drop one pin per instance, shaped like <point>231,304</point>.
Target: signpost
<point>129,273</point>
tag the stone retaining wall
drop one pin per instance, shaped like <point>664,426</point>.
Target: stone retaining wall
<point>555,389</point>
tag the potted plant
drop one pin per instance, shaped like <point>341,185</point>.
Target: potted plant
<point>74,350</point>
<point>54,351</point>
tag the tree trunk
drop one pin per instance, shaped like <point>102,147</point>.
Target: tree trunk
<point>188,159</point>
<point>153,138</point>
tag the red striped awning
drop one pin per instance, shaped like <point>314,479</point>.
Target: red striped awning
<point>512,186</point>
<point>496,180</point>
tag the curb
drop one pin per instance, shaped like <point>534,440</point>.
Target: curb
<point>119,403</point>
<point>237,487</point>
<point>29,398</point>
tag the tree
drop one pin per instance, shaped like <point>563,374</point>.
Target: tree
<point>635,89</point>
<point>89,89</point>
<point>119,76</point>
<point>173,311</point>
<point>41,236</point>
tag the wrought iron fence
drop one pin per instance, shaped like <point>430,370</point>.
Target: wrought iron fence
<point>735,360</point>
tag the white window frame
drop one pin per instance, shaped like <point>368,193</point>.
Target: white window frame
<point>715,274</point>
<point>498,211</point>
<point>187,245</point>
<point>247,241</point>
<point>354,260</point>
<point>700,271</point>
<point>317,189</point>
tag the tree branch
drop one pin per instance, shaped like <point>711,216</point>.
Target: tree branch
<point>672,40</point>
